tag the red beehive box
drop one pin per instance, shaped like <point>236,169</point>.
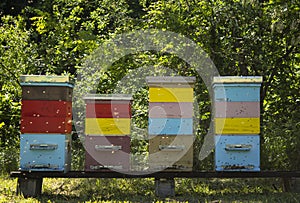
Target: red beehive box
<point>107,152</point>
<point>108,106</point>
<point>61,125</point>
<point>43,116</point>
<point>44,108</point>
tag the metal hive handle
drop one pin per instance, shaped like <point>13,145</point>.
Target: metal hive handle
<point>238,147</point>
<point>171,147</point>
<point>107,148</point>
<point>43,146</point>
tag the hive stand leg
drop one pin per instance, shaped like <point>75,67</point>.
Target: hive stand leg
<point>165,187</point>
<point>29,187</point>
<point>295,185</point>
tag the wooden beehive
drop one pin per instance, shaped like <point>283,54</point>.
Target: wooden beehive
<point>45,108</point>
<point>237,123</point>
<point>170,126</point>
<point>41,152</point>
<point>108,114</point>
<point>237,153</point>
<point>46,123</point>
<point>171,110</point>
<point>170,123</point>
<point>173,152</point>
<point>47,91</point>
<point>107,152</point>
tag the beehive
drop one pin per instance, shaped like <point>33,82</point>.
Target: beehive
<point>102,152</point>
<point>108,114</point>
<point>107,130</point>
<point>46,123</point>
<point>237,123</point>
<point>170,126</point>
<point>44,152</point>
<point>173,152</point>
<point>46,104</point>
<point>237,152</point>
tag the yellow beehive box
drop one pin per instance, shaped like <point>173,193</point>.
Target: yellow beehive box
<point>107,126</point>
<point>171,89</point>
<point>157,94</point>
<point>237,125</point>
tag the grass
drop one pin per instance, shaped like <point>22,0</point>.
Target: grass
<point>142,190</point>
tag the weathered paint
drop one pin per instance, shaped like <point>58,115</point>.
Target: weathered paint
<point>170,126</point>
<point>171,110</point>
<point>44,108</point>
<point>237,109</point>
<point>237,153</point>
<point>107,97</point>
<point>61,125</point>
<point>237,125</point>
<point>171,81</point>
<point>238,79</point>
<point>44,78</point>
<point>107,152</point>
<point>171,151</point>
<point>157,94</point>
<point>107,126</point>
<point>44,152</point>
<point>59,93</point>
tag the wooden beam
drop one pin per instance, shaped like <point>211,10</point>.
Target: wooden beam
<point>161,174</point>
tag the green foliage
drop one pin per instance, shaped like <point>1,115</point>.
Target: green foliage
<point>16,56</point>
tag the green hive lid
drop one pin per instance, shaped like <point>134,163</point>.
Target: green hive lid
<point>171,81</point>
<point>238,79</point>
<point>45,79</point>
<point>127,97</point>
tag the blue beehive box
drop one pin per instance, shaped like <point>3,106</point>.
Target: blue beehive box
<point>237,153</point>
<point>237,92</point>
<point>45,152</point>
<point>170,126</point>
